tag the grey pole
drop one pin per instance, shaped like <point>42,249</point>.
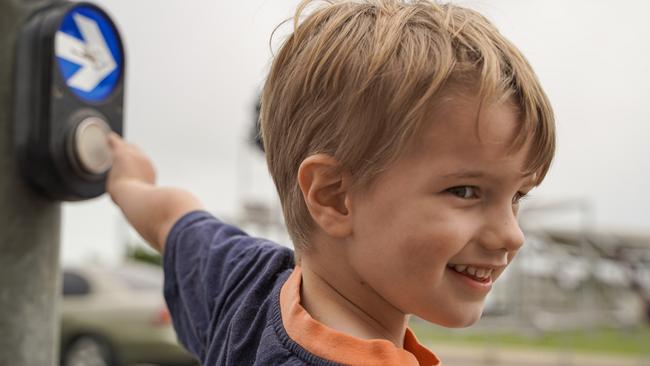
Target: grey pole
<point>29,230</point>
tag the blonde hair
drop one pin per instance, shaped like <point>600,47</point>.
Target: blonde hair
<point>357,79</point>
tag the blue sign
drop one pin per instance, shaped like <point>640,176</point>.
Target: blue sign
<point>89,53</point>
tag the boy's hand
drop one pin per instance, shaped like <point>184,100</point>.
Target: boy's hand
<point>150,209</point>
<point>129,164</point>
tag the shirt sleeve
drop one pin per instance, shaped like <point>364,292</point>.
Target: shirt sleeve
<point>209,268</point>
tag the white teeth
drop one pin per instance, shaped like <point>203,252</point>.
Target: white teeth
<point>472,271</point>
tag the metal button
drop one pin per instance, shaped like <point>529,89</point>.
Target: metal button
<point>91,147</point>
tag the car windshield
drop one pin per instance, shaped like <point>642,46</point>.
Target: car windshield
<point>74,284</point>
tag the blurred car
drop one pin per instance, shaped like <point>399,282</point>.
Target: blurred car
<point>117,317</point>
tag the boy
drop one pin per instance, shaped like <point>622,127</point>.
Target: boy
<point>401,137</point>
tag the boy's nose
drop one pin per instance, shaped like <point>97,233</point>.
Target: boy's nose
<point>502,231</point>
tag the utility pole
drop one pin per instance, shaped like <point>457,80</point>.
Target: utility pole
<point>29,228</point>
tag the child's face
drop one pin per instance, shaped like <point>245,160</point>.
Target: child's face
<point>450,200</point>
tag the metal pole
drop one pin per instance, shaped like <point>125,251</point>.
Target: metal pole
<point>29,230</point>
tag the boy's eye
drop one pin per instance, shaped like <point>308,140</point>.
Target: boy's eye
<point>464,192</point>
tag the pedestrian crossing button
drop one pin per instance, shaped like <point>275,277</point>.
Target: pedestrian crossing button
<point>91,146</point>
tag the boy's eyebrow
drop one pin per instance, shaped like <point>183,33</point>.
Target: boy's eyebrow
<point>466,174</point>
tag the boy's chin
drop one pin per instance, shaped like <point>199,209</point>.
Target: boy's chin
<point>457,318</point>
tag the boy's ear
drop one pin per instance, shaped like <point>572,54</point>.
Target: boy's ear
<point>325,188</point>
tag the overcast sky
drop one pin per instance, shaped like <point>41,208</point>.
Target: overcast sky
<point>195,69</point>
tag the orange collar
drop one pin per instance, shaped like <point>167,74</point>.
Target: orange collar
<point>339,347</point>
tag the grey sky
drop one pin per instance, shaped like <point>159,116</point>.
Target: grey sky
<point>194,69</point>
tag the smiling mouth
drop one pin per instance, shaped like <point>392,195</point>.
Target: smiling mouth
<point>479,274</point>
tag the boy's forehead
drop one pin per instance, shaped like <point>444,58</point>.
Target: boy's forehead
<point>471,141</point>
<point>464,122</point>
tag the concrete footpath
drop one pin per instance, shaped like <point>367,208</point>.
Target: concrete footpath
<point>485,356</point>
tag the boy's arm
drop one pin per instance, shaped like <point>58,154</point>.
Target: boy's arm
<point>150,209</point>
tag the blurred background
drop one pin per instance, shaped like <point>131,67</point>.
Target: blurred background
<point>579,292</point>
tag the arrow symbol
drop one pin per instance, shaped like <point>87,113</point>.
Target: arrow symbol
<point>92,54</point>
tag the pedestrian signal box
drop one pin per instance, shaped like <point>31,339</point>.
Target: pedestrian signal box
<point>69,96</point>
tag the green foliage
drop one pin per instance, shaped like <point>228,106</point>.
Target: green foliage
<point>141,254</point>
<point>629,342</point>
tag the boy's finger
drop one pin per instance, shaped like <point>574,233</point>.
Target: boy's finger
<point>114,140</point>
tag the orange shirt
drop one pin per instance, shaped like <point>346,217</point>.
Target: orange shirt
<point>339,347</point>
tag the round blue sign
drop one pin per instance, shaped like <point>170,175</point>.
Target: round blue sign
<point>89,53</point>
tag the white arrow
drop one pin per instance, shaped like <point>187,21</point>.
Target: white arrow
<point>92,54</point>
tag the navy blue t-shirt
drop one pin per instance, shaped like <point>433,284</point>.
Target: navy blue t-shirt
<point>222,288</point>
